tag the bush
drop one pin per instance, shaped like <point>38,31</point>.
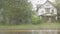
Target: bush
<point>36,20</point>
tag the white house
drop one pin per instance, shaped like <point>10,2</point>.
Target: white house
<point>47,9</point>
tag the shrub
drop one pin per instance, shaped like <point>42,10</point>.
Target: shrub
<point>36,20</point>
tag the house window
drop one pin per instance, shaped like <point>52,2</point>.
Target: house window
<point>42,11</point>
<point>52,11</point>
<point>47,10</point>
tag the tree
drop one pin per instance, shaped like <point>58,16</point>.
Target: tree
<point>16,11</point>
<point>58,8</point>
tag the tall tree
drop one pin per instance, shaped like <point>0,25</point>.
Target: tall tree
<point>58,5</point>
<point>58,8</point>
<point>16,11</point>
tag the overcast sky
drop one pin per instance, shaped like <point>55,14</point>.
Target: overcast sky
<point>34,2</point>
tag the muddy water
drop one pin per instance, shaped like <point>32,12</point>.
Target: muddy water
<point>19,33</point>
<point>15,32</point>
<point>46,32</point>
<point>30,32</point>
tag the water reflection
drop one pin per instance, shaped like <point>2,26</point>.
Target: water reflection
<point>32,32</point>
<point>19,33</point>
<point>45,32</point>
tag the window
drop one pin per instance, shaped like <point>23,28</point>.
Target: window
<point>42,11</point>
<point>47,10</point>
<point>52,11</point>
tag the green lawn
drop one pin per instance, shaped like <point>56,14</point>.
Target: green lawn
<point>30,26</point>
<point>24,26</point>
<point>47,25</point>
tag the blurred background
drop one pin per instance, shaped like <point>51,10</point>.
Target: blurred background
<point>29,14</point>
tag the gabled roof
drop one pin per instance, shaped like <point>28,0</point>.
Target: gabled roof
<point>49,2</point>
<point>39,5</point>
<point>46,2</point>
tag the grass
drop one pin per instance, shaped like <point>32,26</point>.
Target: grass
<point>30,26</point>
<point>47,25</point>
<point>25,26</point>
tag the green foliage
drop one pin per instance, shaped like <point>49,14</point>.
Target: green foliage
<point>16,11</point>
<point>58,6</point>
<point>35,20</point>
<point>58,9</point>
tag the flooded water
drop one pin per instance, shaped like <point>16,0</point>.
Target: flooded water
<point>45,32</point>
<point>30,32</point>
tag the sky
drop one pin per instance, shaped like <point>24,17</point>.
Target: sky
<point>34,2</point>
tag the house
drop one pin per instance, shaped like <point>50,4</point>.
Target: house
<point>47,10</point>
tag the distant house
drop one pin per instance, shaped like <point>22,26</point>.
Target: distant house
<point>47,10</point>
